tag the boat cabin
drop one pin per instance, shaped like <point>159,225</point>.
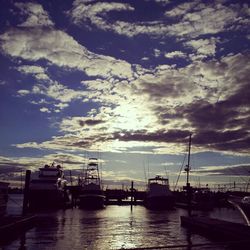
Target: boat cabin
<point>158,180</point>
<point>51,171</point>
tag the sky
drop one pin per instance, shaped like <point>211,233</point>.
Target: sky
<point>127,82</point>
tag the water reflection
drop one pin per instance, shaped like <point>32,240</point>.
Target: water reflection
<point>115,227</point>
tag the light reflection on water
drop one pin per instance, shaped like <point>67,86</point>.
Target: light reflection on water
<point>114,227</point>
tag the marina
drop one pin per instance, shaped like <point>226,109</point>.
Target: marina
<point>86,215</point>
<point>115,227</point>
<point>125,226</point>
<point>125,125</point>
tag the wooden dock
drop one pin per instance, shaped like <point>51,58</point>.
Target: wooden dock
<point>217,228</point>
<point>12,226</point>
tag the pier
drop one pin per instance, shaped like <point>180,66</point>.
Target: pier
<point>13,226</point>
<point>215,228</point>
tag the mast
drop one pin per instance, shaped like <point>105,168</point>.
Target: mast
<point>187,169</point>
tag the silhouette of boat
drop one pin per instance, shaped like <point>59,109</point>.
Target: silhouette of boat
<point>91,194</point>
<point>242,205</point>
<point>245,205</point>
<point>158,194</point>
<point>3,197</point>
<point>49,189</point>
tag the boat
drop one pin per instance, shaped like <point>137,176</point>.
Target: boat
<point>3,197</point>
<point>194,198</point>
<point>91,194</point>
<point>49,189</point>
<point>158,194</point>
<point>245,205</point>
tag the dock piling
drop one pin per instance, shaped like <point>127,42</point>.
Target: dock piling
<point>26,192</point>
<point>132,195</point>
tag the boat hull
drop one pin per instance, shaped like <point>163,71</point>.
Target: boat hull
<point>3,207</point>
<point>91,201</point>
<point>41,199</point>
<point>159,202</point>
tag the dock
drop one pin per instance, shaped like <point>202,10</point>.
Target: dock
<point>12,226</point>
<point>217,228</point>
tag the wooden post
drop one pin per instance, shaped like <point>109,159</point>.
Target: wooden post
<point>26,191</point>
<point>70,177</point>
<point>132,193</point>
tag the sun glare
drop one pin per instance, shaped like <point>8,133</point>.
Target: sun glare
<point>132,118</point>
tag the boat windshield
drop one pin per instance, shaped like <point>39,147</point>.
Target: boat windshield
<point>49,173</point>
<point>158,180</point>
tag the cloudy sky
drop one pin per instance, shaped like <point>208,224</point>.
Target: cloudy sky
<point>127,82</point>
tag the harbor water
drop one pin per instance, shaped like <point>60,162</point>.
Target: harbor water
<point>114,227</point>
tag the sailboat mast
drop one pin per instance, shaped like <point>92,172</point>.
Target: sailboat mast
<point>188,164</point>
<point>189,191</point>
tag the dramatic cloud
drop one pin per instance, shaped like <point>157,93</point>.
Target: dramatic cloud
<point>119,78</point>
<point>37,42</point>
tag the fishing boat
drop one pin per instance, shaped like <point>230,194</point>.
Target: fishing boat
<point>49,189</point>
<point>3,197</point>
<point>91,194</point>
<point>158,194</point>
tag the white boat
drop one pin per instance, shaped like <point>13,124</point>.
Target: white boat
<point>3,197</point>
<point>91,194</point>
<point>49,189</point>
<point>158,194</point>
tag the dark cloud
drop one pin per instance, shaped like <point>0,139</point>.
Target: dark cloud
<point>207,116</point>
<point>11,170</point>
<point>158,136</point>
<point>240,170</point>
<point>223,125</point>
<point>90,122</point>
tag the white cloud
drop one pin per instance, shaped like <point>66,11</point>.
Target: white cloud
<point>163,2</point>
<point>181,9</point>
<point>157,52</point>
<point>37,42</point>
<point>58,92</point>
<point>174,54</point>
<point>190,19</point>
<point>61,105</point>
<point>23,92</point>
<point>205,47</point>
<point>45,110</point>
<point>37,16</point>
<point>37,71</point>
<point>84,11</point>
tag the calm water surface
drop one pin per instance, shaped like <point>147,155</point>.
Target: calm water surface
<point>115,227</point>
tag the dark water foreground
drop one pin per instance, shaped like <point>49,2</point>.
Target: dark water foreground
<point>115,227</point>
